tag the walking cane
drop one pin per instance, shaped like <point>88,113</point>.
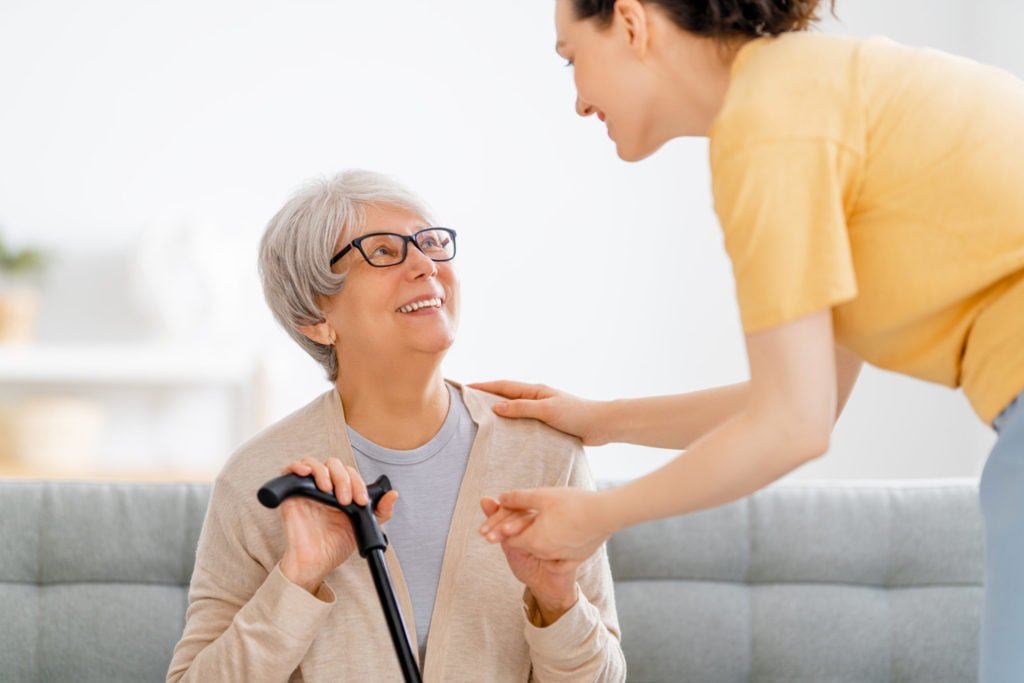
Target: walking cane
<point>371,541</point>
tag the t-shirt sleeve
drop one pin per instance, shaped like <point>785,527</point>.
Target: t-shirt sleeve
<point>781,208</point>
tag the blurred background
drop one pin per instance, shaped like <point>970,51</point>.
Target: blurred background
<point>144,146</point>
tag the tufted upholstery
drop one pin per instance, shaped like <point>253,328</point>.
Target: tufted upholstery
<point>808,582</point>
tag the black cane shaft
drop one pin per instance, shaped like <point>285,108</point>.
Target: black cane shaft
<point>396,625</point>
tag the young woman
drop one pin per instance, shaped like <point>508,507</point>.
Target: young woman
<point>871,200</point>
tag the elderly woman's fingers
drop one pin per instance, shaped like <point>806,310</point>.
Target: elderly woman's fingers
<point>298,467</point>
<point>511,525</point>
<point>321,475</point>
<point>342,480</point>
<point>519,523</point>
<point>489,505</point>
<point>360,495</point>
<point>386,506</point>
<point>494,519</point>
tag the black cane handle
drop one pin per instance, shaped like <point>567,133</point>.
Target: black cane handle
<point>364,523</point>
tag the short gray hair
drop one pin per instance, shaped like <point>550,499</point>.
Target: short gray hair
<point>298,244</point>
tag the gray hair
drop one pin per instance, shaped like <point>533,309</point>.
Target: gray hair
<point>298,244</point>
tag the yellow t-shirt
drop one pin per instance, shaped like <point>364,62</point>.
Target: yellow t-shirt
<point>887,183</point>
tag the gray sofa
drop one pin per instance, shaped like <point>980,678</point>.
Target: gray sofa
<point>801,582</point>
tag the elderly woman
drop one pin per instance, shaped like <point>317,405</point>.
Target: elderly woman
<point>356,273</point>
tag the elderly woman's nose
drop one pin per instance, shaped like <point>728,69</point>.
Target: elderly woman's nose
<point>419,263</point>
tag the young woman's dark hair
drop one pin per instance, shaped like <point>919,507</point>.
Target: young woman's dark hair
<point>720,18</point>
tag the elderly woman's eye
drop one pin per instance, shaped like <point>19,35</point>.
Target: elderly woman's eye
<point>430,241</point>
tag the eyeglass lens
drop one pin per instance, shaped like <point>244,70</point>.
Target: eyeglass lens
<point>387,250</point>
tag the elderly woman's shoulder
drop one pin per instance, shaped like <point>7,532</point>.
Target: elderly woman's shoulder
<point>524,428</point>
<point>303,433</point>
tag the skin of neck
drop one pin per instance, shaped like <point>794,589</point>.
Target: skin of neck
<point>696,72</point>
<point>395,403</point>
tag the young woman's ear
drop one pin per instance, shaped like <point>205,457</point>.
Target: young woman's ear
<point>633,17</point>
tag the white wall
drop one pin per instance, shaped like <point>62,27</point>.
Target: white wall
<point>579,270</point>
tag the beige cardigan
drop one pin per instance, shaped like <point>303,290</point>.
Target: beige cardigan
<point>247,622</point>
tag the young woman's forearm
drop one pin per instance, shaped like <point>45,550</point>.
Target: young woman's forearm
<point>679,420</point>
<point>740,456</point>
<point>672,421</point>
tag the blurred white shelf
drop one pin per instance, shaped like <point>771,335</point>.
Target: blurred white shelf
<point>135,365</point>
<point>9,470</point>
<point>167,411</point>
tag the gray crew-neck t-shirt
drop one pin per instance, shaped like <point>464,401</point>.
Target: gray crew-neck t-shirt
<point>427,480</point>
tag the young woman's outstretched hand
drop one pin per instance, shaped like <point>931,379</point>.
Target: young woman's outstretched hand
<point>565,412</point>
<point>552,523</point>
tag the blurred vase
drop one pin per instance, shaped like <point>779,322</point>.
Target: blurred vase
<point>187,280</point>
<point>19,310</point>
<point>52,433</point>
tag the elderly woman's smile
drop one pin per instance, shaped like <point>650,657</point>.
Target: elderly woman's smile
<point>422,305</point>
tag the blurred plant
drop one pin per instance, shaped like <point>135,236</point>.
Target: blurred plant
<point>21,262</point>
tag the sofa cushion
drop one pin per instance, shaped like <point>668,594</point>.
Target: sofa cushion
<point>870,581</point>
<point>93,578</point>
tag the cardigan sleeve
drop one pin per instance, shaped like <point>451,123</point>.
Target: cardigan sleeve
<point>584,644</point>
<point>243,622</point>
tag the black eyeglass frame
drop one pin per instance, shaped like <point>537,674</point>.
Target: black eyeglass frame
<point>406,240</point>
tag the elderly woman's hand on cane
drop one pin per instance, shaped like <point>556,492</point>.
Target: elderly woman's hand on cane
<point>319,538</point>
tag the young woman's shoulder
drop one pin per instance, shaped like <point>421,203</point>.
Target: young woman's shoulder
<point>792,86</point>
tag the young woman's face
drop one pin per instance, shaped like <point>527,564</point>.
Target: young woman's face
<point>608,80</point>
<point>645,78</point>
<point>371,313</point>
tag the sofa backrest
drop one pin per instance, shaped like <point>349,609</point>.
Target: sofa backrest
<point>807,582</point>
<point>93,578</point>
<point>798,583</point>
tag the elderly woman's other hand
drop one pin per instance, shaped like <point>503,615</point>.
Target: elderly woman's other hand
<point>551,582</point>
<point>319,538</point>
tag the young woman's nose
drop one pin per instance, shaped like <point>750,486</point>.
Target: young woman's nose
<point>582,108</point>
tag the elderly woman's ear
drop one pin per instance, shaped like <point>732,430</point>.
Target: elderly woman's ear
<point>321,333</point>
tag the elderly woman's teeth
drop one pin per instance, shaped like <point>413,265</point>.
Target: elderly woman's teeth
<point>436,303</point>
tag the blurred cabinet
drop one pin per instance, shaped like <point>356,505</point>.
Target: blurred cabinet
<point>126,411</point>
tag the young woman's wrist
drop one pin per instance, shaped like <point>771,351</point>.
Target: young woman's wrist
<point>607,428</point>
<point>613,510</point>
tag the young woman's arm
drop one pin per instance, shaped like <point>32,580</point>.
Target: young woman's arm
<point>785,419</point>
<point>678,420</point>
<point>673,421</point>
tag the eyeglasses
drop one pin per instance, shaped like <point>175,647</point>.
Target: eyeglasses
<point>383,249</point>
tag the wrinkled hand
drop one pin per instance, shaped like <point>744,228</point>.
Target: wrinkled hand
<point>565,412</point>
<point>553,523</point>
<point>551,582</point>
<point>318,537</point>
